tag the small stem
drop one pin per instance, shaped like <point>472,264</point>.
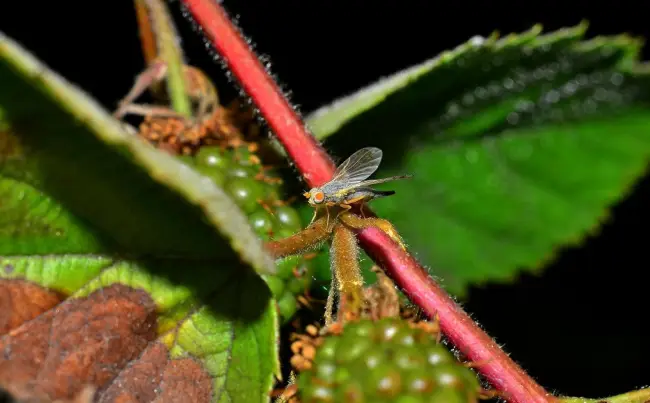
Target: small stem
<point>148,43</point>
<point>147,36</point>
<point>171,53</point>
<point>317,168</point>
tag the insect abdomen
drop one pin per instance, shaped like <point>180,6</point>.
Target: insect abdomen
<point>367,194</point>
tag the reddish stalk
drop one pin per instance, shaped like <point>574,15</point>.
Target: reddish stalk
<point>147,35</point>
<point>317,168</point>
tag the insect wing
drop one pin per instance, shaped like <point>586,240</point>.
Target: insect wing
<point>382,180</point>
<point>358,166</point>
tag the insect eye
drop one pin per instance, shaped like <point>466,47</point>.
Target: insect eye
<point>319,197</point>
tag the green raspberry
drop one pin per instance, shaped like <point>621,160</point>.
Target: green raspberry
<point>388,360</point>
<point>213,157</point>
<point>237,172</point>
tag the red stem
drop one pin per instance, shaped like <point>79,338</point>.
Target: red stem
<point>317,168</point>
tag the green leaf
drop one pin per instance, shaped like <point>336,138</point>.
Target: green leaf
<point>218,313</point>
<point>86,205</point>
<point>115,187</point>
<point>517,146</point>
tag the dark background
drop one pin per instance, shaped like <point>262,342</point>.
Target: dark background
<point>579,328</point>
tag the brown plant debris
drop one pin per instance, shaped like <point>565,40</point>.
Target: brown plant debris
<point>156,378</point>
<point>86,395</point>
<point>81,342</point>
<point>222,127</point>
<point>381,300</point>
<point>22,301</point>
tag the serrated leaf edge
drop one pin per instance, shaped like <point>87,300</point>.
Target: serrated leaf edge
<point>368,97</point>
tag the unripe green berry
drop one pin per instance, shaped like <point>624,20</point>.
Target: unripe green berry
<point>245,192</point>
<point>387,360</point>
<point>213,156</point>
<point>288,217</point>
<point>385,380</point>
<point>214,173</point>
<point>244,157</point>
<point>325,372</point>
<point>328,350</point>
<point>239,171</point>
<point>287,305</point>
<point>297,285</point>
<point>286,266</point>
<point>438,355</point>
<point>449,375</point>
<point>261,221</point>
<point>352,348</point>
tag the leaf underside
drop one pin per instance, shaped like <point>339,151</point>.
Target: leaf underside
<point>517,146</point>
<point>156,259</point>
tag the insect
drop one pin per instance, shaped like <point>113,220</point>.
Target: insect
<point>199,88</point>
<point>350,185</point>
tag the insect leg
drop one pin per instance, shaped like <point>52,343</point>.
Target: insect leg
<point>148,110</point>
<point>201,89</point>
<point>327,223</point>
<point>153,74</point>
<point>348,204</point>
<point>327,206</point>
<point>345,207</point>
<point>314,216</point>
<point>331,296</point>
<point>357,222</point>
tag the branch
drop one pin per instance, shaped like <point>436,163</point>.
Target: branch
<point>147,35</point>
<point>317,168</point>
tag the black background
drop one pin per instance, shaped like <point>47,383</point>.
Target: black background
<point>579,328</point>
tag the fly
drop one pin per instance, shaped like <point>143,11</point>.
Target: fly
<point>349,184</point>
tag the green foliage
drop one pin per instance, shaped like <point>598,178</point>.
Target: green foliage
<point>517,146</point>
<point>84,204</point>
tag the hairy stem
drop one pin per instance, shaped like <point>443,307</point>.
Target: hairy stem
<point>314,164</point>
<point>344,257</point>
<point>317,168</point>
<point>309,238</point>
